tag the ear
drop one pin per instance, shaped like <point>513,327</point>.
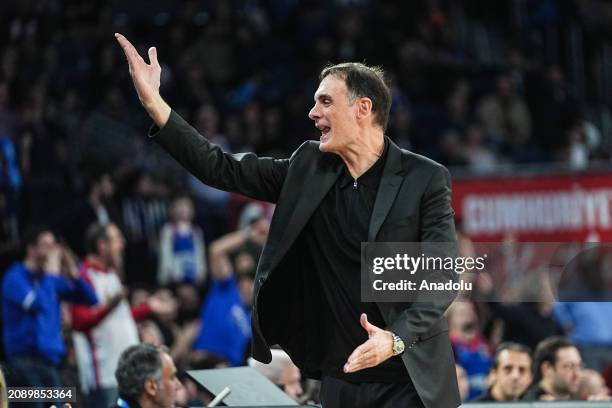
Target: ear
<point>545,368</point>
<point>150,387</point>
<point>364,107</point>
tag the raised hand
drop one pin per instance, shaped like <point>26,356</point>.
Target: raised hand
<point>146,79</point>
<point>378,348</point>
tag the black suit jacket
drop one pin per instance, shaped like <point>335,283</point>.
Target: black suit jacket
<point>412,205</point>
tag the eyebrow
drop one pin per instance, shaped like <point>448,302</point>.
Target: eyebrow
<point>322,96</point>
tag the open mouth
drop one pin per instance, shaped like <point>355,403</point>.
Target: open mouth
<point>324,131</point>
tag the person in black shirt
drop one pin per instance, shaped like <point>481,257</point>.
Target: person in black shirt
<point>511,373</point>
<point>354,185</point>
<point>557,367</point>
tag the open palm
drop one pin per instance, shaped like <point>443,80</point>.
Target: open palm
<point>146,77</point>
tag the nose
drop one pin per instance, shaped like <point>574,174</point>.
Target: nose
<point>314,113</point>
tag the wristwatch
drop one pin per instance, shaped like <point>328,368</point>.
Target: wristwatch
<point>398,345</point>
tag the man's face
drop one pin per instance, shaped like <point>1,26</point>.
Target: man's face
<point>245,289</point>
<point>41,251</point>
<point>116,244</point>
<point>334,115</point>
<point>564,376</point>
<point>182,210</point>
<point>513,374</point>
<point>168,385</point>
<point>107,188</point>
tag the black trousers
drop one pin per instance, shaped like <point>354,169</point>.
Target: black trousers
<point>336,393</point>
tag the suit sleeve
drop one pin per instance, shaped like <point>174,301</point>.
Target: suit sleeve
<point>260,178</point>
<point>439,239</point>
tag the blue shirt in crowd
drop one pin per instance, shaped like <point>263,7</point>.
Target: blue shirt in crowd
<point>226,323</point>
<point>588,323</point>
<point>31,312</point>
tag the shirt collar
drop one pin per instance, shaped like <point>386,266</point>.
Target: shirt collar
<point>371,177</point>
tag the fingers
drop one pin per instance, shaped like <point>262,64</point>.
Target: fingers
<point>358,352</point>
<point>361,358</point>
<point>364,321</point>
<point>153,57</point>
<point>129,50</point>
<point>127,46</point>
<point>369,327</point>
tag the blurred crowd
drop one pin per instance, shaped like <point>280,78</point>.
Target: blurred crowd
<point>126,246</point>
<point>535,337</point>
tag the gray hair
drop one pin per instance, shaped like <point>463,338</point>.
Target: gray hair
<point>136,365</point>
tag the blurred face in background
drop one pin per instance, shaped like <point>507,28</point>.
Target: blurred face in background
<point>182,210</point>
<point>106,188</point>
<point>111,248</point>
<point>244,264</point>
<point>245,288</point>
<point>40,252</point>
<point>462,319</point>
<point>512,375</point>
<point>564,376</point>
<point>592,386</point>
<point>170,305</point>
<point>139,296</point>
<point>259,231</point>
<point>189,301</point>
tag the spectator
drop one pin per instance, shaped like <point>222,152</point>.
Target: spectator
<point>557,369</point>
<point>31,295</point>
<point>511,373</point>
<point>587,324</point>
<point>479,156</point>
<point>505,115</point>
<point>592,387</point>
<point>10,187</point>
<point>98,344</point>
<point>282,372</point>
<point>469,345</point>
<point>150,333</point>
<point>97,206</point>
<point>182,257</point>
<point>525,323</point>
<point>147,378</point>
<point>463,382</point>
<point>225,314</point>
<point>144,211</point>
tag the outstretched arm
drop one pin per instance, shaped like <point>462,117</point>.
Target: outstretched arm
<point>247,174</point>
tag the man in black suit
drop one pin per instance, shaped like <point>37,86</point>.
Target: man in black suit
<point>352,186</point>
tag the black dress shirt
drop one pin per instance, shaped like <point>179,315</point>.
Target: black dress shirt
<point>334,234</point>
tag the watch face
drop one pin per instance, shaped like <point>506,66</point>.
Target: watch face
<point>398,346</point>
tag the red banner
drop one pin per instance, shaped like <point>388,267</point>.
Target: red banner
<point>538,208</point>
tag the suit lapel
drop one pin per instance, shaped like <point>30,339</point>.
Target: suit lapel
<point>317,184</point>
<point>387,190</point>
